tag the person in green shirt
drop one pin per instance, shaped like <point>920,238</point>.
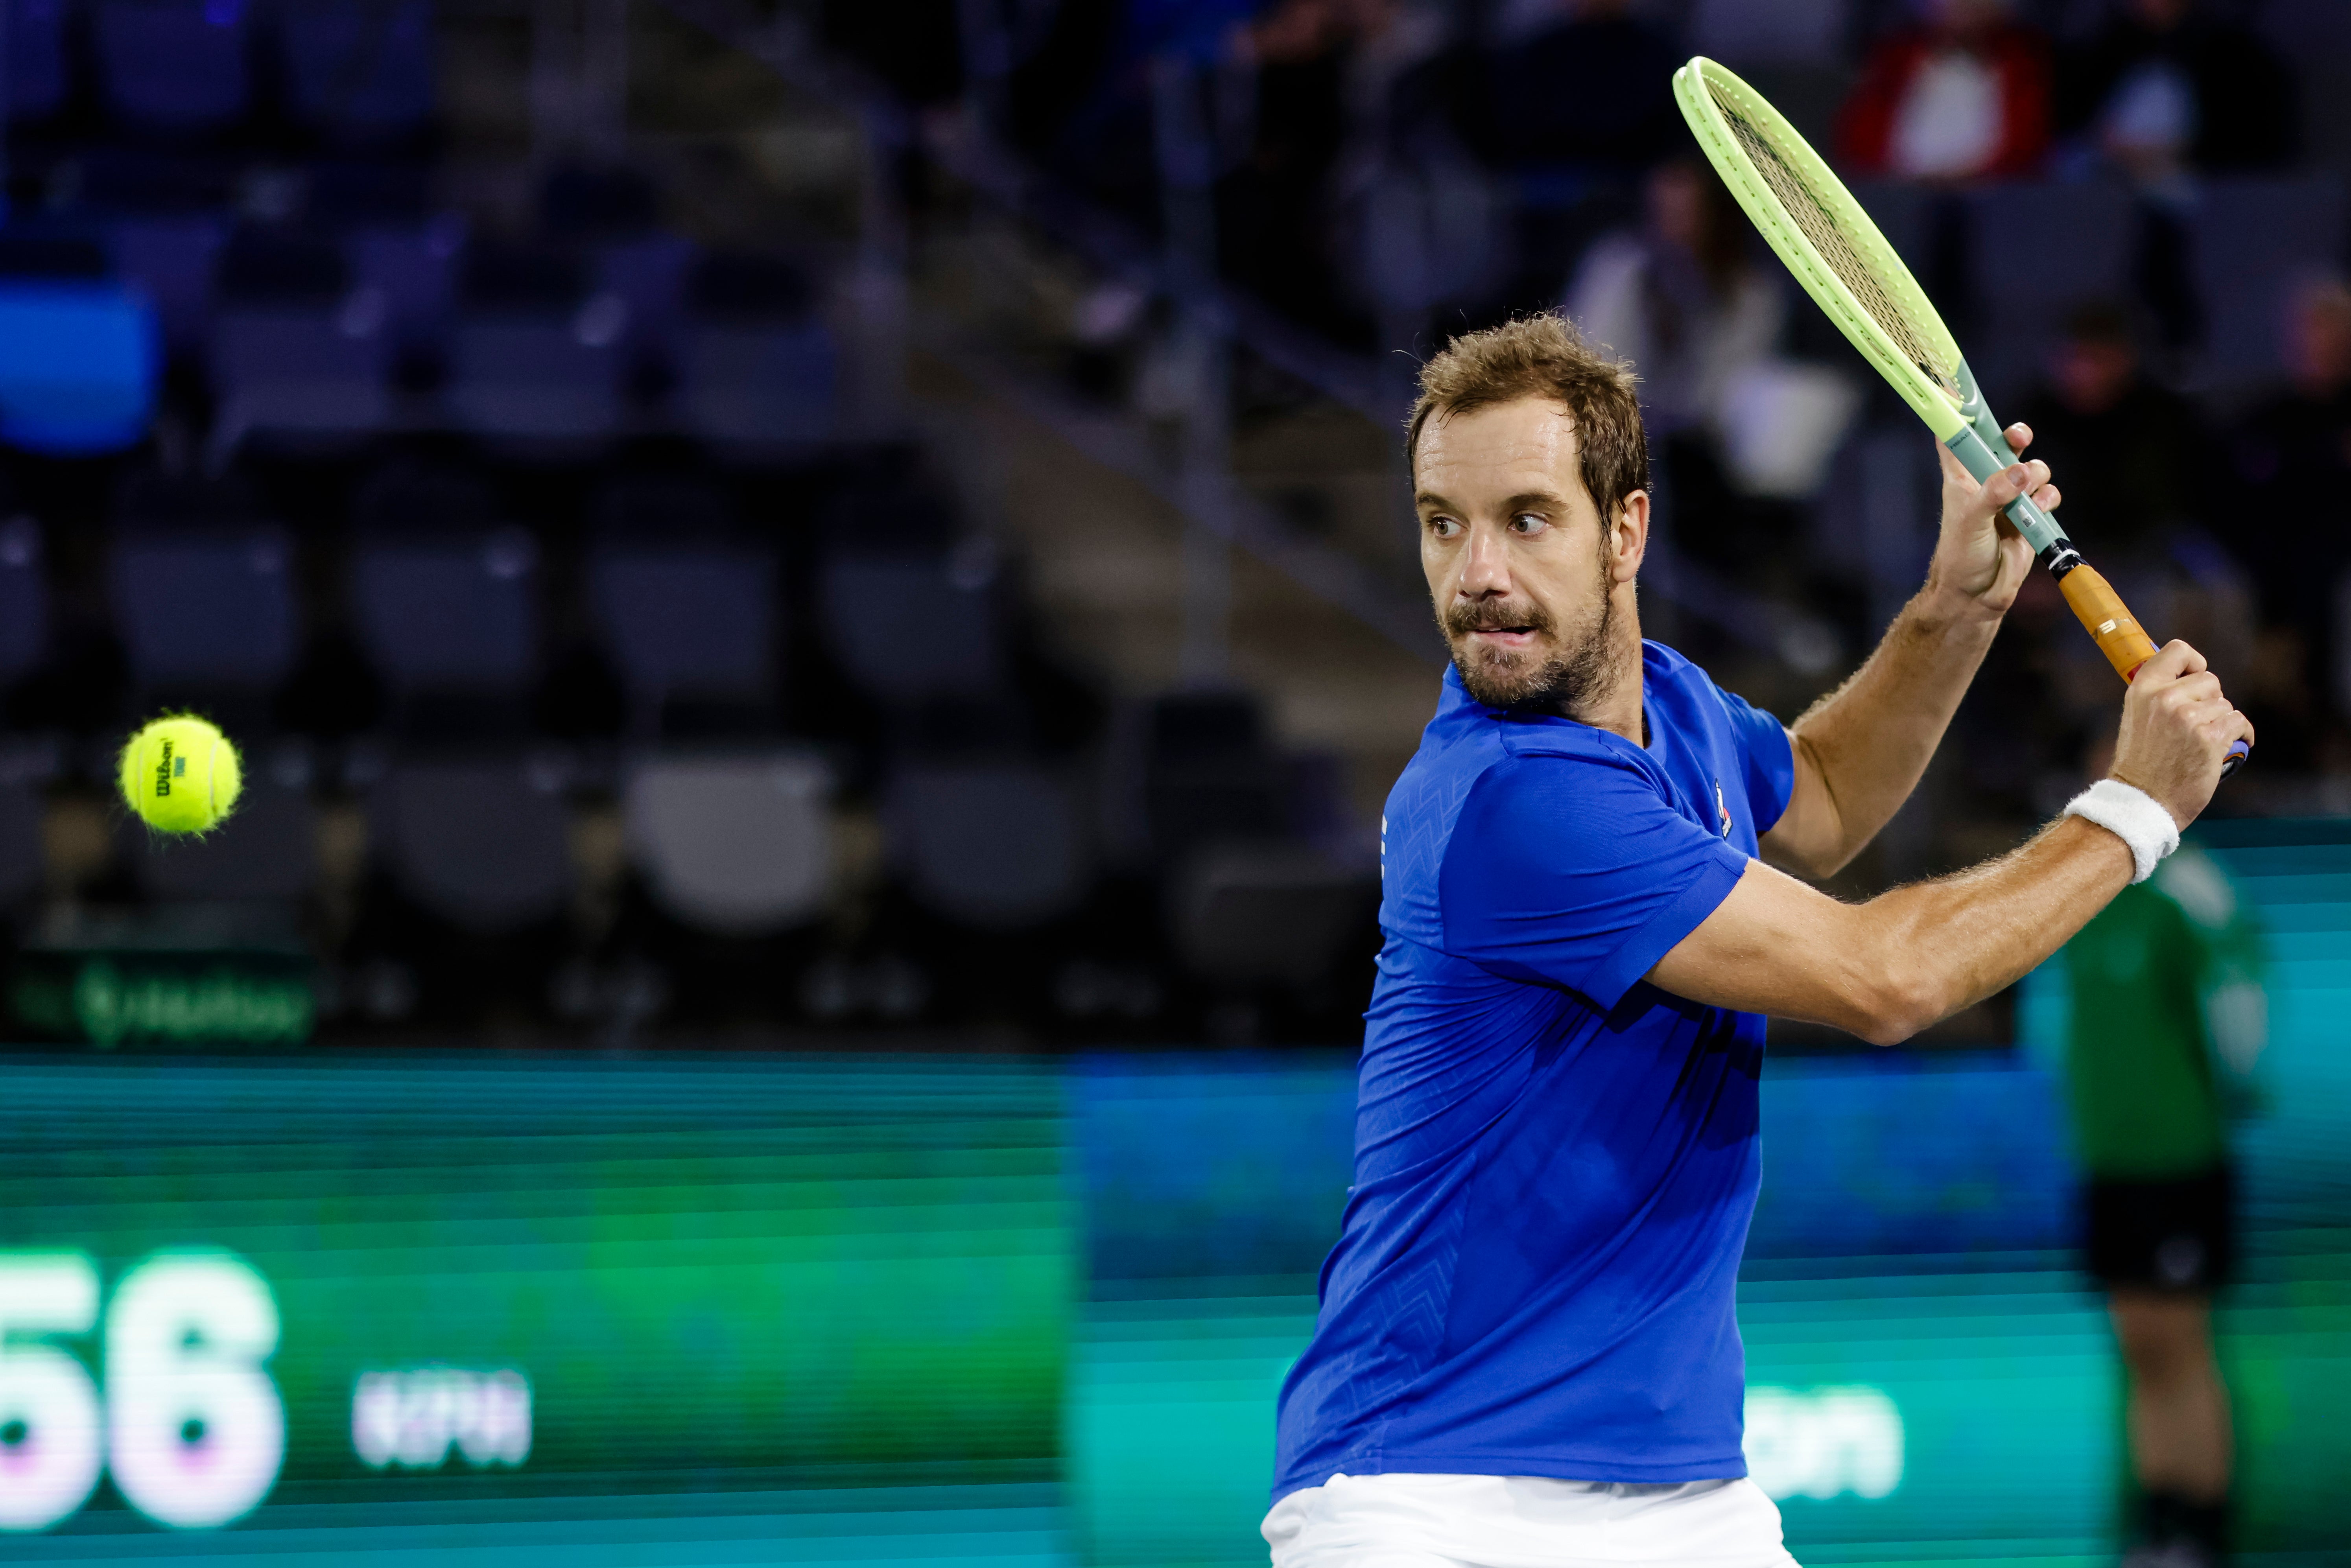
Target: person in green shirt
<point>2168,1014</point>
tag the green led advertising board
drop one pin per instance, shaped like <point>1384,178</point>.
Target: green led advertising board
<point>220,1285</point>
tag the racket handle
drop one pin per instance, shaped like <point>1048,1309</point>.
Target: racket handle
<point>2110,625</point>
<point>2119,636</point>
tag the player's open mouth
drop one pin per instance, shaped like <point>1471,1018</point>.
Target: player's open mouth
<point>1505,636</point>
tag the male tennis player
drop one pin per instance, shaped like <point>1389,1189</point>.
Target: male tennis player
<point>1526,1354</point>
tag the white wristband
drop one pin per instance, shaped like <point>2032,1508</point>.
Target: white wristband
<point>2132,815</point>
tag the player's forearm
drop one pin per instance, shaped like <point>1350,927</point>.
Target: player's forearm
<point>1870,740</point>
<point>1942,946</point>
<point>1887,968</point>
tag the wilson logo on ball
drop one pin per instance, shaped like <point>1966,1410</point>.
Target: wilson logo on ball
<point>163,770</point>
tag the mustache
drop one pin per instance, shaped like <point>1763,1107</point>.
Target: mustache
<point>1494,615</point>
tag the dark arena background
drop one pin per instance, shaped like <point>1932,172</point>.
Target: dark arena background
<point>820,599</point>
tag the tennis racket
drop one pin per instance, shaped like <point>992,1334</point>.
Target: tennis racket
<point>1845,265</point>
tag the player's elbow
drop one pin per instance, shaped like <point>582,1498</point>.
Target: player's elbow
<point>1899,1001</point>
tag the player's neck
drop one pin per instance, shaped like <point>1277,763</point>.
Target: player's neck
<point>1616,704</point>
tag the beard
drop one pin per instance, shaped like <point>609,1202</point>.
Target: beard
<point>1559,675</point>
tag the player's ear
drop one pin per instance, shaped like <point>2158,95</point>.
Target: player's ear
<point>1628,537</point>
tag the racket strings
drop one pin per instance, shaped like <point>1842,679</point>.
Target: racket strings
<point>1818,225</point>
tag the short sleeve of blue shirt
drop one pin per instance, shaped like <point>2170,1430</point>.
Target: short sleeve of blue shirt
<point>1769,765</point>
<point>1576,870</point>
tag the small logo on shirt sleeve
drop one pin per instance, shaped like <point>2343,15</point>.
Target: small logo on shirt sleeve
<point>1722,806</point>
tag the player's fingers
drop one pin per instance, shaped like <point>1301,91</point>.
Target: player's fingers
<point>2171,661</point>
<point>2006,485</point>
<point>2191,693</point>
<point>2048,497</point>
<point>2020,436</point>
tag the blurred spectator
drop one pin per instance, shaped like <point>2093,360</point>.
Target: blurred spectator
<point>1964,94</point>
<point>1681,296</point>
<point>1272,214</point>
<point>1684,298</point>
<point>1592,89</point>
<point>2126,447</point>
<point>2160,90</point>
<point>2293,459</point>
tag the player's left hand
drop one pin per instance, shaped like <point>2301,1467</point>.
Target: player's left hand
<point>1980,560</point>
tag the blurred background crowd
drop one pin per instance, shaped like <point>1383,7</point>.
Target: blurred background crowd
<point>723,515</point>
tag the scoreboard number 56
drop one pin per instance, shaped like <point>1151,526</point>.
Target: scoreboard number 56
<point>190,1420</point>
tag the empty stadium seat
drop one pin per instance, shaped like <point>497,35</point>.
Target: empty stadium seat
<point>171,262</point>
<point>482,845</point>
<point>173,65</point>
<point>757,370</point>
<point>687,622</point>
<point>24,597</point>
<point>266,850</point>
<point>413,270</point>
<point>359,69</point>
<point>452,623</point>
<point>297,352</point>
<point>79,366</point>
<point>2249,243</point>
<point>205,612</point>
<point>739,846</point>
<point>994,845</point>
<point>908,627</point>
<point>39,77</point>
<point>1203,772</point>
<point>534,359</point>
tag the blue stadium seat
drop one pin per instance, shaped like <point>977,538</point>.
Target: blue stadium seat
<point>413,270</point>
<point>2249,242</point>
<point>451,615</point>
<point>360,70</point>
<point>302,373</point>
<point>686,621</point>
<point>757,370</point>
<point>204,612</point>
<point>175,64</point>
<point>910,627</point>
<point>23,598</point>
<point>79,366</point>
<point>173,262</point>
<point>297,352</point>
<point>534,359</point>
<point>39,77</point>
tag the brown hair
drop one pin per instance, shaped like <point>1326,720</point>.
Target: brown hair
<point>1544,356</point>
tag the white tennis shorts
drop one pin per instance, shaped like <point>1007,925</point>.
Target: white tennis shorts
<point>1523,1521</point>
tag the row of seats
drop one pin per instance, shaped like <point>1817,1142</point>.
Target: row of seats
<point>307,338</point>
<point>211,612</point>
<point>2034,251</point>
<point>742,846</point>
<point>351,69</point>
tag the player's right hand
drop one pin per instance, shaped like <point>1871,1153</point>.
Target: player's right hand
<point>2177,726</point>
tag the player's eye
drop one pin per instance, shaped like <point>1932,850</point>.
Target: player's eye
<point>1444,527</point>
<point>1528,523</point>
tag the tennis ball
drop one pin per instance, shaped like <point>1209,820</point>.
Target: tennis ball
<point>181,775</point>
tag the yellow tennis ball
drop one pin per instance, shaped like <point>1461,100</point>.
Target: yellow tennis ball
<point>181,775</point>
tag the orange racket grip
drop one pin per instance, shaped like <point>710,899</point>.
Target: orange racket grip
<point>2111,625</point>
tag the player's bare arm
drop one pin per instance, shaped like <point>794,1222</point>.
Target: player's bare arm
<point>1860,750</point>
<point>1887,968</point>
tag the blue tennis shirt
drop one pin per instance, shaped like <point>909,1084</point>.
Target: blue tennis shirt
<point>1555,1162</point>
